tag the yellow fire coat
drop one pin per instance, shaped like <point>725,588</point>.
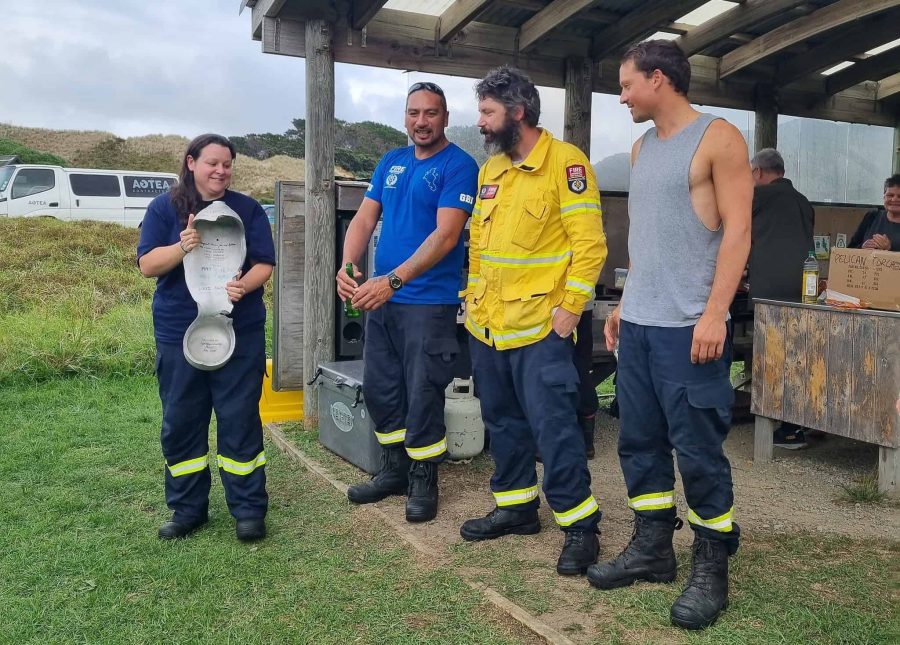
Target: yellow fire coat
<point>536,243</point>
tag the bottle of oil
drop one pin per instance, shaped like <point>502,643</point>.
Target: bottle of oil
<point>349,310</point>
<point>810,279</point>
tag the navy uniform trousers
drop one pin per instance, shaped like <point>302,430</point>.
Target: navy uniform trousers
<point>409,356</point>
<point>188,398</point>
<point>584,358</point>
<point>667,403</point>
<point>528,400</point>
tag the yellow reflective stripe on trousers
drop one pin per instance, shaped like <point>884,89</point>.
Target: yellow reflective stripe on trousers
<point>581,286</point>
<point>583,510</point>
<point>721,523</point>
<point>518,496</point>
<point>387,438</point>
<point>189,466</point>
<point>532,261</point>
<point>433,450</point>
<point>241,467</point>
<point>652,501</point>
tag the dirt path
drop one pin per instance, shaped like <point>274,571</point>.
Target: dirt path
<point>798,491</point>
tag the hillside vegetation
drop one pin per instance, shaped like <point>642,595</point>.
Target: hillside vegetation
<point>162,153</point>
<point>74,302</point>
<point>29,155</point>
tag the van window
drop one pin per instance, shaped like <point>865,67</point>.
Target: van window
<point>6,173</point>
<point>95,185</point>
<point>31,181</point>
<point>142,186</point>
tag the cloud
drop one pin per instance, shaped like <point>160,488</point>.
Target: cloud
<point>174,67</point>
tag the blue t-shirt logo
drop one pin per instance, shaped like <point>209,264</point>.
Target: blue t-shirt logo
<point>431,178</point>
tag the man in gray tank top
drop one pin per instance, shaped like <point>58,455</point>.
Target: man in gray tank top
<point>688,242</point>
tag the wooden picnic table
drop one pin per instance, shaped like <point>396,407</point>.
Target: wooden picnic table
<point>828,369</point>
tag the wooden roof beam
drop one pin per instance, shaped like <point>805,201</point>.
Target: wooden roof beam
<point>593,15</point>
<point>548,19</point>
<point>637,24</point>
<point>458,15</point>
<point>819,22</point>
<point>263,9</point>
<point>730,22</point>
<point>845,45</point>
<point>888,87</point>
<point>874,68</point>
<point>363,11</point>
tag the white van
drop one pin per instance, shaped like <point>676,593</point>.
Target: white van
<point>120,196</point>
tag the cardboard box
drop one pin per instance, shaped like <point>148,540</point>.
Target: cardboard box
<point>872,276</point>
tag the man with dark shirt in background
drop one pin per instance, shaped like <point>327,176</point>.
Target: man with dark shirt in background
<point>781,236</point>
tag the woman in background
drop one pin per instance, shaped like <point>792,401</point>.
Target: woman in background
<point>189,395</point>
<point>880,228</point>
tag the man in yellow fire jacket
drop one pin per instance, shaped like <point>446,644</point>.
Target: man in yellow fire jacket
<point>537,248</point>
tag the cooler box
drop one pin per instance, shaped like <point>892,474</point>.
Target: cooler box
<point>345,427</point>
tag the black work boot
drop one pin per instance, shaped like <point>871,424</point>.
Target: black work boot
<point>422,498</point>
<point>500,522</point>
<point>391,478</point>
<point>648,556</point>
<point>587,431</point>
<point>706,594</point>
<point>580,550</point>
<point>250,529</point>
<point>173,530</point>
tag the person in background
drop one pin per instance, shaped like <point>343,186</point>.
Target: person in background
<point>189,395</point>
<point>688,242</point>
<point>880,228</point>
<point>536,250</point>
<point>423,194</point>
<point>781,236</point>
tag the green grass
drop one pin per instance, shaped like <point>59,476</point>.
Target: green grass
<point>29,155</point>
<point>74,302</point>
<point>865,490</point>
<point>800,588</point>
<point>80,560</point>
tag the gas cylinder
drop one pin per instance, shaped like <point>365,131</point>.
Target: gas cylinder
<point>462,416</point>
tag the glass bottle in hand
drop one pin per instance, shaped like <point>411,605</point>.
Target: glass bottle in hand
<point>349,310</point>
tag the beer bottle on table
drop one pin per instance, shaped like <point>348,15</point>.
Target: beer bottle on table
<point>349,310</point>
<point>810,279</point>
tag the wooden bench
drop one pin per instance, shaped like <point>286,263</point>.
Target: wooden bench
<point>832,370</point>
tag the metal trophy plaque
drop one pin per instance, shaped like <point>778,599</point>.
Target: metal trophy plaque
<point>209,341</point>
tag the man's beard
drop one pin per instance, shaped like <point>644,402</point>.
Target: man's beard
<point>503,140</point>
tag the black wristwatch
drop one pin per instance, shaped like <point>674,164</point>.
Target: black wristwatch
<point>395,281</point>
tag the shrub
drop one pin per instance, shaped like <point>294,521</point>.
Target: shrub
<point>29,155</point>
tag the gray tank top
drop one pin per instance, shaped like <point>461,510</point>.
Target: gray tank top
<point>672,254</point>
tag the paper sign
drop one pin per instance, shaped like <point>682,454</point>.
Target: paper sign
<point>840,241</point>
<point>871,276</point>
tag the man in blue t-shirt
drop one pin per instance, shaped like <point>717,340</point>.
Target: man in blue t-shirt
<point>423,194</point>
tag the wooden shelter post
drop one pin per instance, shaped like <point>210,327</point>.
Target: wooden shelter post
<point>577,128</point>
<point>319,260</point>
<point>895,166</point>
<point>766,135</point>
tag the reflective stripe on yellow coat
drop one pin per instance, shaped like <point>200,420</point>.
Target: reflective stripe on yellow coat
<point>536,243</point>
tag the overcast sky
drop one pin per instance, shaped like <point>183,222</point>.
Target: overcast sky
<point>184,67</point>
